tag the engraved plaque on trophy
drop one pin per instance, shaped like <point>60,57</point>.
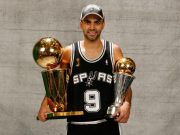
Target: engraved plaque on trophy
<point>47,54</point>
<point>124,69</point>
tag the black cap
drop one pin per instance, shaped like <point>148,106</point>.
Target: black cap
<point>92,9</point>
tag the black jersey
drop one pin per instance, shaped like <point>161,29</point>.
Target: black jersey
<point>90,87</point>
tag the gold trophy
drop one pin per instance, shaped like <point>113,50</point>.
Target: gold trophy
<point>47,54</point>
<point>124,69</point>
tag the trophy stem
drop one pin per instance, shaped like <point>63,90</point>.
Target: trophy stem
<point>55,82</point>
<point>121,86</point>
<point>52,85</point>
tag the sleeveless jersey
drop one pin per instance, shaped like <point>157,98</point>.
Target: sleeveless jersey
<point>90,87</point>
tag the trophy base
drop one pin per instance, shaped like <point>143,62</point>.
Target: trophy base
<point>111,111</point>
<point>61,115</point>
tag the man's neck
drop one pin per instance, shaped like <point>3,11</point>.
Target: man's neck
<point>92,50</point>
<point>92,44</point>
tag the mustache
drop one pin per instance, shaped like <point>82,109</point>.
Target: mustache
<point>92,31</point>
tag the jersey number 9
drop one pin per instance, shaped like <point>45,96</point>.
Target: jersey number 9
<point>92,100</point>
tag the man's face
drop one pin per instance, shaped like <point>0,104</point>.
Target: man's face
<point>92,26</point>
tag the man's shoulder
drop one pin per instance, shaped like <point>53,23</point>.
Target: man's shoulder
<point>72,44</point>
<point>114,45</point>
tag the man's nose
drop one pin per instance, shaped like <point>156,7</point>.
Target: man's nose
<point>92,26</point>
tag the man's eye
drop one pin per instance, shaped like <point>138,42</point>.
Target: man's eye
<point>86,21</point>
<point>97,22</point>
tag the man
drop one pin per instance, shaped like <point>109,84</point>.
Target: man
<point>91,83</point>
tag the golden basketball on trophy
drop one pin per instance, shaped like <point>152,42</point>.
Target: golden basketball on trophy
<point>47,54</point>
<point>125,65</point>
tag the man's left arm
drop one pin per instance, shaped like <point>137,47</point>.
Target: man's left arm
<point>125,108</point>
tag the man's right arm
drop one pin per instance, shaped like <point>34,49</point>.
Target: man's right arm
<point>66,57</point>
<point>43,110</point>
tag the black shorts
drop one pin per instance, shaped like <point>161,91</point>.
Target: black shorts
<point>104,128</point>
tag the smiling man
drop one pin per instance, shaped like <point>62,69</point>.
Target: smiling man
<point>91,84</point>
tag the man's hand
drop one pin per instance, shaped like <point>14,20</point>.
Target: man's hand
<point>42,115</point>
<point>44,109</point>
<point>122,115</point>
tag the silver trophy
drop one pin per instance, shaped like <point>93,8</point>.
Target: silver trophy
<point>47,53</point>
<point>124,68</point>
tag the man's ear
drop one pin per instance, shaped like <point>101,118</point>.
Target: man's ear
<point>80,24</point>
<point>103,25</point>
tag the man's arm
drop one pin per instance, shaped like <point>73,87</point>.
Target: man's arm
<point>43,110</point>
<point>66,57</point>
<point>124,109</point>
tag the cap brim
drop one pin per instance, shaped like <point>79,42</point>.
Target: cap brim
<point>92,13</point>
